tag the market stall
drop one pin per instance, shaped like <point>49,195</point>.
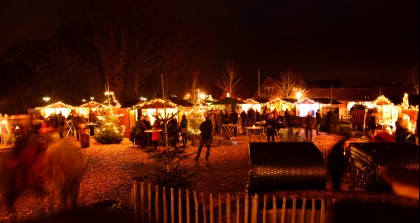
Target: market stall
<point>250,103</point>
<point>56,108</point>
<point>386,111</point>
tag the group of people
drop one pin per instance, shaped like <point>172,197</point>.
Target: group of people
<point>142,139</point>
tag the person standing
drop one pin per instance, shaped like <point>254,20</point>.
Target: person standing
<point>76,124</point>
<point>61,121</point>
<point>5,129</point>
<point>243,121</point>
<point>271,127</point>
<point>137,131</point>
<point>206,138</point>
<point>184,125</point>
<point>233,119</point>
<point>219,121</point>
<point>336,164</point>
<point>318,121</point>
<point>289,123</point>
<point>309,123</point>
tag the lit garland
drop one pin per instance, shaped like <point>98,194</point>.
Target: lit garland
<point>278,100</point>
<point>382,100</point>
<point>90,104</point>
<point>58,104</point>
<point>152,103</point>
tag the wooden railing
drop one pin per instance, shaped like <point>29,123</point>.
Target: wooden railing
<point>155,204</point>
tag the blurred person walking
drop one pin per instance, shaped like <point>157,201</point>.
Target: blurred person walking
<point>183,126</point>
<point>206,138</point>
<point>271,127</point>
<point>318,121</point>
<point>60,123</point>
<point>309,124</point>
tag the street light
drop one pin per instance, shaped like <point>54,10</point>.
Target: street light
<point>91,98</point>
<point>46,99</point>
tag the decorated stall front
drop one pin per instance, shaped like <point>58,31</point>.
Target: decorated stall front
<point>282,104</point>
<point>250,103</point>
<point>407,113</point>
<point>89,107</point>
<point>156,108</point>
<point>386,112</point>
<point>305,106</point>
<point>56,108</point>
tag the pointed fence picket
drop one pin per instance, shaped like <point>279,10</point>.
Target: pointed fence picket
<point>176,206</point>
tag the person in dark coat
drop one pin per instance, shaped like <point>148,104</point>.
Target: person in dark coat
<point>233,119</point>
<point>309,123</point>
<point>61,121</point>
<point>336,164</point>
<point>206,138</point>
<point>318,121</point>
<point>183,126</point>
<point>271,127</point>
<point>244,121</point>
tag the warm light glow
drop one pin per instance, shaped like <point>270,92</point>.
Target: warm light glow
<point>202,96</point>
<point>228,95</point>
<point>46,99</point>
<point>298,95</point>
<point>91,98</point>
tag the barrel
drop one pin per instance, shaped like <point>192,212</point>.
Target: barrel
<point>84,140</point>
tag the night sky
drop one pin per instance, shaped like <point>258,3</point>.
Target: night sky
<point>358,41</point>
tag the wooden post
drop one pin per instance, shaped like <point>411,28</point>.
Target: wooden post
<point>165,208</point>
<point>195,206</point>
<point>135,200</point>
<point>156,203</point>
<point>274,210</point>
<point>204,208</point>
<point>238,209</point>
<point>179,205</point>
<point>228,208</point>
<point>254,208</point>
<point>187,203</point>
<point>220,207</point>
<point>294,210</point>
<point>313,211</point>
<point>142,201</point>
<point>172,206</point>
<point>322,220</point>
<point>149,200</point>
<point>211,209</point>
<point>246,208</point>
<point>283,210</point>
<point>264,208</point>
<point>302,214</point>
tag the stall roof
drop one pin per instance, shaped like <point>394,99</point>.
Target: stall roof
<point>181,102</point>
<point>227,101</point>
<point>326,101</point>
<point>291,100</point>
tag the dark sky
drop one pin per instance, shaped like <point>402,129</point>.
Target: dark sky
<point>358,41</point>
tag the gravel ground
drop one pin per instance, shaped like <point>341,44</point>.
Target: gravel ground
<point>111,169</point>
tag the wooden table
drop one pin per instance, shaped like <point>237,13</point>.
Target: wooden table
<point>229,129</point>
<point>257,130</point>
<point>151,131</point>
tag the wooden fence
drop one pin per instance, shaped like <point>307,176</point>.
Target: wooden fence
<point>155,204</point>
